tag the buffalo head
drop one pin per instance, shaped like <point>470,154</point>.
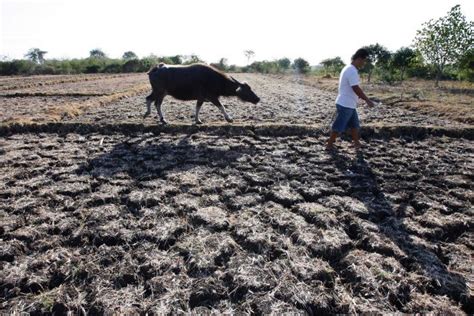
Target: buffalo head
<point>245,93</point>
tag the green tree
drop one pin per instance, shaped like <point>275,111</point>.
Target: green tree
<point>221,65</point>
<point>379,57</point>
<point>97,53</point>
<point>129,55</point>
<point>466,65</point>
<point>402,59</point>
<point>36,55</point>
<point>301,66</point>
<point>191,59</point>
<point>444,41</point>
<point>284,63</point>
<point>333,65</point>
<point>176,60</point>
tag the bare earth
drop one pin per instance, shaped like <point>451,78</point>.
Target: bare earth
<point>232,221</point>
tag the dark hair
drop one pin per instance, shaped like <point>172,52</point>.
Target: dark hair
<point>361,53</point>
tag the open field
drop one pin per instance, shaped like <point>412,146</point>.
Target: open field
<point>452,99</point>
<point>105,212</point>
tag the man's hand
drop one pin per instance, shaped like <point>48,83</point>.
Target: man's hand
<point>370,103</point>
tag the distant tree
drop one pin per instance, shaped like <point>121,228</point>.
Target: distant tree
<point>301,65</point>
<point>176,60</point>
<point>221,65</point>
<point>249,54</point>
<point>133,65</point>
<point>284,63</point>
<point>191,59</point>
<point>129,55</point>
<point>97,53</point>
<point>402,59</point>
<point>36,55</point>
<point>445,40</point>
<point>379,57</point>
<point>466,65</point>
<point>333,65</point>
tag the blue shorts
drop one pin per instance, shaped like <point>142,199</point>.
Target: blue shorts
<point>346,118</point>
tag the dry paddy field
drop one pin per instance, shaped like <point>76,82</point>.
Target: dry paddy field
<point>103,211</point>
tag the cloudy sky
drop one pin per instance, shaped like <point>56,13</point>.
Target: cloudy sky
<point>213,29</point>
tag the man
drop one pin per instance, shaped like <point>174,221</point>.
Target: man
<point>346,102</point>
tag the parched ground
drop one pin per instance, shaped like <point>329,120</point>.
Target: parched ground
<point>284,99</point>
<point>234,220</point>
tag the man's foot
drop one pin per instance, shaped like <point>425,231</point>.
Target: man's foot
<point>198,122</point>
<point>358,146</point>
<point>163,121</point>
<point>330,148</point>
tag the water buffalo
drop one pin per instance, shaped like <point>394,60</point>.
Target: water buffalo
<point>195,82</point>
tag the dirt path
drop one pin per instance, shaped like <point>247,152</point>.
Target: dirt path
<point>196,222</point>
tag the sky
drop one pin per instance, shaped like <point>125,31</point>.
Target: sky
<point>212,29</point>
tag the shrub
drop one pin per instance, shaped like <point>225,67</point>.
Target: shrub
<point>301,66</point>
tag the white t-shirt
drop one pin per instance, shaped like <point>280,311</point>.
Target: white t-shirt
<point>349,77</point>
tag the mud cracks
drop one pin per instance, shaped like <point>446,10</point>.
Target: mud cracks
<point>203,222</point>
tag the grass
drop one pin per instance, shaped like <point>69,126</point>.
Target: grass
<point>452,99</point>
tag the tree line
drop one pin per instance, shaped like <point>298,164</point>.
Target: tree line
<point>442,49</point>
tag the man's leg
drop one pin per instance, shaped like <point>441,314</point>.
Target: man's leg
<point>339,125</point>
<point>354,126</point>
<point>355,137</point>
<point>332,139</point>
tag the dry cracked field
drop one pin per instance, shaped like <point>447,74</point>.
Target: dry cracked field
<point>104,212</point>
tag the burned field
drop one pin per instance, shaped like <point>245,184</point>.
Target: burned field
<point>242,220</point>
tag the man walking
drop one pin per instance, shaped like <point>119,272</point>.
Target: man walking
<point>346,102</point>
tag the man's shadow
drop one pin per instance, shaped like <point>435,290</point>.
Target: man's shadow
<point>365,187</point>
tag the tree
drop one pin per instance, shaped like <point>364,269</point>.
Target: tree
<point>133,65</point>
<point>36,55</point>
<point>249,54</point>
<point>223,63</point>
<point>191,59</point>
<point>402,59</point>
<point>333,65</point>
<point>284,63</point>
<point>466,65</point>
<point>129,55</point>
<point>443,41</point>
<point>301,65</point>
<point>176,60</point>
<point>97,53</point>
<point>379,57</point>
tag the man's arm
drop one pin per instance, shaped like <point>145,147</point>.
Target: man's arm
<point>362,95</point>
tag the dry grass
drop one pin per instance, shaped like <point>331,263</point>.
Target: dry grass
<point>56,113</point>
<point>452,99</point>
<point>15,83</point>
<point>25,110</point>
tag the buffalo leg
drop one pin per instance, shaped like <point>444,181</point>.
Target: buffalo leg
<point>198,108</point>
<point>227,117</point>
<point>158,102</point>
<point>149,100</point>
